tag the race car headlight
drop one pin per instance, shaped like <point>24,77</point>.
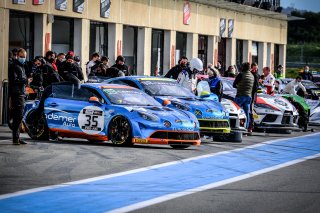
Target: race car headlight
<point>148,117</point>
<point>194,124</point>
<point>265,106</point>
<point>180,106</point>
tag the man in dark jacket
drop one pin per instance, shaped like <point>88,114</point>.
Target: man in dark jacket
<point>17,83</point>
<point>48,72</point>
<point>71,71</point>
<point>244,83</point>
<point>175,71</point>
<point>306,74</point>
<point>121,66</point>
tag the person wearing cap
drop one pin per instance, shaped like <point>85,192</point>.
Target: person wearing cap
<point>279,72</point>
<point>71,71</point>
<point>121,66</point>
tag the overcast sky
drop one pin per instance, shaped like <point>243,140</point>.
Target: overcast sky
<point>311,5</point>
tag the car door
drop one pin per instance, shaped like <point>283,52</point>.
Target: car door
<point>69,111</point>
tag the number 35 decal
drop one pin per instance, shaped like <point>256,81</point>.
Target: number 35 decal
<point>91,120</point>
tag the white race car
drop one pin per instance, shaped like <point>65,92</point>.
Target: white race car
<point>275,112</point>
<point>270,112</point>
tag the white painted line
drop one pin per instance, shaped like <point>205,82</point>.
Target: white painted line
<point>209,186</point>
<point>29,191</point>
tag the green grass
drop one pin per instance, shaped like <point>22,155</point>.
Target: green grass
<point>294,72</point>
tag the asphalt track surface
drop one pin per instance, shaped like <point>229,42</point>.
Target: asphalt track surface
<point>265,173</point>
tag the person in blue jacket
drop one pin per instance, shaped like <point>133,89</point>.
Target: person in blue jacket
<point>215,83</point>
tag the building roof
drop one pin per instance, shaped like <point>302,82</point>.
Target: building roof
<point>242,8</point>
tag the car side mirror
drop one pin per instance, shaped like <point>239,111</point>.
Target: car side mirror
<point>166,102</point>
<point>94,100</point>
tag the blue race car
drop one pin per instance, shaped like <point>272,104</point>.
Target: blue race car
<point>212,116</point>
<point>100,112</point>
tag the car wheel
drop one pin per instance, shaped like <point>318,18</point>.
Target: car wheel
<point>119,131</point>
<point>36,127</point>
<point>180,146</point>
<point>235,137</point>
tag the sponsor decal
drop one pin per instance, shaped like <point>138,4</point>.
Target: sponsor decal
<point>65,119</point>
<point>140,140</point>
<point>91,120</point>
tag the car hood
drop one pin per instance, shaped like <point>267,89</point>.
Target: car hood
<point>276,101</point>
<point>163,113</point>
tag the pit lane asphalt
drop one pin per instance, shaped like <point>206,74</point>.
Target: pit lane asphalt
<point>291,189</point>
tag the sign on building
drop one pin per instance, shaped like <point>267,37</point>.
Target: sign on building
<point>19,1</point>
<point>38,2</point>
<point>186,13</point>
<point>105,8</point>
<point>61,4</point>
<point>230,28</point>
<point>222,27</point>
<point>78,6</point>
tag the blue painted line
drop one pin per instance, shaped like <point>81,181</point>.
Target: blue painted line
<point>121,191</point>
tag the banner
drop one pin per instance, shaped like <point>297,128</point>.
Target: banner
<point>78,6</point>
<point>61,4</point>
<point>38,2</point>
<point>222,27</point>
<point>230,28</point>
<point>19,2</point>
<point>105,8</point>
<point>186,13</point>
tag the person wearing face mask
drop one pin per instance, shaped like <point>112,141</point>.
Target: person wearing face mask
<point>17,83</point>
<point>180,67</point>
<point>306,74</point>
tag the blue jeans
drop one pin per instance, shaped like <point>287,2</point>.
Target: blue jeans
<point>244,103</point>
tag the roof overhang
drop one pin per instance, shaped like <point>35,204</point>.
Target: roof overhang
<point>242,8</point>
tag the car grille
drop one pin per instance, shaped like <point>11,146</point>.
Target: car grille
<point>213,124</point>
<point>175,135</point>
<point>269,118</point>
<point>286,117</point>
<point>233,123</point>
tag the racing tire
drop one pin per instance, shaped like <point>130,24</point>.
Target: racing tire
<point>120,132</point>
<point>36,128</point>
<point>235,137</point>
<point>180,146</point>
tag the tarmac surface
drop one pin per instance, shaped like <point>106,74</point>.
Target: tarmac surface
<point>292,188</point>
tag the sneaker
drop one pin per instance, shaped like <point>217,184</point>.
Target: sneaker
<point>22,142</point>
<point>249,132</point>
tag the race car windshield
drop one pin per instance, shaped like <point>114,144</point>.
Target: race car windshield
<point>165,88</point>
<point>124,96</point>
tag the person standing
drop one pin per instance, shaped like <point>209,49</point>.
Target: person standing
<point>95,57</point>
<point>17,83</point>
<point>306,75</point>
<point>176,70</point>
<point>215,83</point>
<point>268,80</point>
<point>121,66</point>
<point>244,83</point>
<point>279,72</point>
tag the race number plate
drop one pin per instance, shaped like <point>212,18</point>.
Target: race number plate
<point>91,120</point>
